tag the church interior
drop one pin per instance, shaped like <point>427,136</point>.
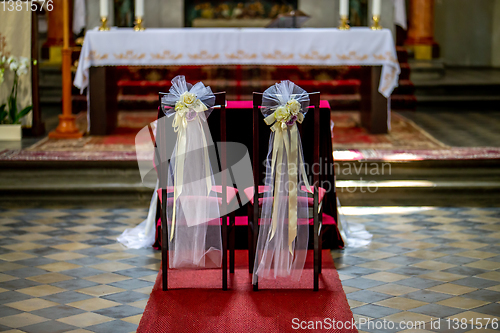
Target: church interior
<point>385,166</point>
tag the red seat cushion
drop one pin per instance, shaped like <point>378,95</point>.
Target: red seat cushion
<point>249,191</point>
<point>327,220</point>
<point>231,194</point>
<point>249,104</point>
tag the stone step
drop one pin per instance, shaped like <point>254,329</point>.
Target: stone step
<point>449,89</point>
<point>405,87</point>
<point>419,193</point>
<point>427,69</point>
<point>404,183</point>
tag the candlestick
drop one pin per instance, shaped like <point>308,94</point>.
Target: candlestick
<point>344,23</point>
<point>376,23</point>
<point>139,8</point>
<point>104,21</point>
<point>377,4</point>
<point>138,24</point>
<point>104,8</point>
<point>344,7</point>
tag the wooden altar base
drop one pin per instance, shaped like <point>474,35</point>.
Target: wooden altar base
<point>344,87</point>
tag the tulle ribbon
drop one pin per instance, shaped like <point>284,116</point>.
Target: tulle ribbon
<point>286,141</point>
<point>187,108</point>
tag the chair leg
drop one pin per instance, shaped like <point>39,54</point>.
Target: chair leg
<point>254,275</point>
<point>316,240</point>
<point>255,239</point>
<point>255,278</point>
<point>224,253</point>
<point>320,244</point>
<point>320,253</point>
<point>164,243</point>
<point>232,237</point>
<point>250,240</point>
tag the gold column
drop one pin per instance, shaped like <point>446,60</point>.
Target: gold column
<point>421,30</point>
<point>52,47</point>
<point>67,127</point>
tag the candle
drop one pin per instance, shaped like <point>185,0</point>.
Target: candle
<point>344,7</point>
<point>376,7</point>
<point>139,8</point>
<point>104,8</point>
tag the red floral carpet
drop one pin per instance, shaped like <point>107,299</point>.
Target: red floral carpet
<point>196,302</point>
<point>405,142</point>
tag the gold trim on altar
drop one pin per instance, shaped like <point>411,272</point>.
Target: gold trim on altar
<point>241,55</point>
<point>352,56</point>
<point>277,55</point>
<point>314,55</point>
<point>388,78</point>
<point>204,55</point>
<point>387,56</point>
<point>93,55</point>
<point>130,55</point>
<point>166,55</point>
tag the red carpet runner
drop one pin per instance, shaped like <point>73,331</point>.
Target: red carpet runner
<point>196,302</point>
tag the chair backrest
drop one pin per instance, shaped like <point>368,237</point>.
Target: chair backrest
<point>220,104</point>
<point>256,119</point>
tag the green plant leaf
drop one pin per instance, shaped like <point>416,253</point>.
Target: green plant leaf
<point>23,112</point>
<point>3,113</point>
<point>12,110</point>
<point>12,101</point>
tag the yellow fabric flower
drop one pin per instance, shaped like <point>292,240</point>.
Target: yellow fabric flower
<point>179,105</point>
<point>282,113</point>
<point>188,98</point>
<point>293,106</point>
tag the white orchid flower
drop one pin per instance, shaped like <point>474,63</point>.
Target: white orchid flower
<point>22,70</point>
<point>14,65</point>
<point>24,61</point>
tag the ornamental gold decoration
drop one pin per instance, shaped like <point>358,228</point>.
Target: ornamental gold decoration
<point>166,55</point>
<point>314,55</point>
<point>241,55</point>
<point>277,55</point>
<point>130,55</point>
<point>204,55</point>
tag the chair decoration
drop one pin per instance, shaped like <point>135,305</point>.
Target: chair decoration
<point>194,205</point>
<point>284,249</point>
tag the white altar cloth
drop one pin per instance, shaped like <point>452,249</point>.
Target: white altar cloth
<point>252,46</point>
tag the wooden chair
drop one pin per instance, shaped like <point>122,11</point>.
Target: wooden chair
<point>226,195</point>
<point>257,192</point>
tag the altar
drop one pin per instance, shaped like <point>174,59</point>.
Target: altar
<point>102,51</point>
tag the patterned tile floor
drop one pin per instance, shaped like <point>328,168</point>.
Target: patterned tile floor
<point>61,270</point>
<point>424,264</point>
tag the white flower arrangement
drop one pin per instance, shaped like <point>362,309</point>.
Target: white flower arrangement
<point>188,105</point>
<point>287,114</point>
<point>19,66</point>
